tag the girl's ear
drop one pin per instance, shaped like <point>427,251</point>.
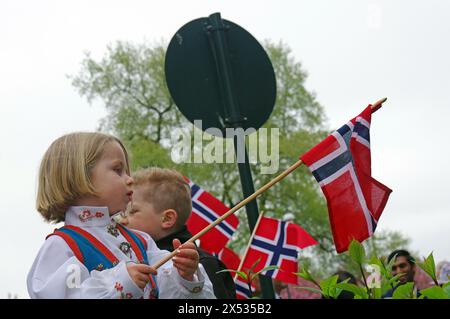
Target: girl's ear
<point>168,219</point>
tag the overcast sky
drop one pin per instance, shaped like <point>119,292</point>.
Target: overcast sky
<point>355,52</point>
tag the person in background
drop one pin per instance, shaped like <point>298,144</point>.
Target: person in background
<point>443,272</point>
<point>404,264</point>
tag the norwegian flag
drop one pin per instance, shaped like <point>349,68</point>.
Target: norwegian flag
<point>341,164</point>
<point>205,210</point>
<point>276,243</point>
<point>232,261</point>
<point>229,258</point>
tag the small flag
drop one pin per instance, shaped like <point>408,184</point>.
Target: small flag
<point>276,243</point>
<point>205,210</point>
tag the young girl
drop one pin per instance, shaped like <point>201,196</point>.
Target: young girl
<point>84,179</point>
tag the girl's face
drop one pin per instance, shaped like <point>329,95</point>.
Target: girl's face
<point>110,180</point>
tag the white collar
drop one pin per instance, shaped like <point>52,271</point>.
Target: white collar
<point>87,216</point>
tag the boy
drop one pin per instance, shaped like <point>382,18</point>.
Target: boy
<point>161,206</point>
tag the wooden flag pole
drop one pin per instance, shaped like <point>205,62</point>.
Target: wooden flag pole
<point>249,244</point>
<point>376,106</point>
<point>231,211</point>
<point>264,188</point>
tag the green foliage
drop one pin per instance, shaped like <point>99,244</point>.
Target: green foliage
<point>359,293</point>
<point>250,275</point>
<point>314,290</point>
<point>435,292</point>
<point>429,267</point>
<point>405,291</point>
<point>305,274</point>
<point>330,288</point>
<point>357,252</point>
<point>446,287</point>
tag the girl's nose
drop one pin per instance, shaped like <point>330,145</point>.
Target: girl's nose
<point>124,220</point>
<point>130,181</point>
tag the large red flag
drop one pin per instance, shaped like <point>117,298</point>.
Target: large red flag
<point>341,164</point>
<point>205,210</point>
<point>276,243</point>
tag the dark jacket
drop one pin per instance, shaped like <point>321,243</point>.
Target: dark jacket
<point>223,283</point>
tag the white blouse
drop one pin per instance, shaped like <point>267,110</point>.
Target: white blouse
<point>57,273</point>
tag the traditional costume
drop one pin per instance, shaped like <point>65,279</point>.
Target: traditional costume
<point>87,258</point>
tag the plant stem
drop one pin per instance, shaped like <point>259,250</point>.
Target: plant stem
<point>315,283</point>
<point>249,282</point>
<point>436,282</point>
<point>365,281</point>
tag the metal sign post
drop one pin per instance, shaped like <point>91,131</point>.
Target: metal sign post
<point>218,73</point>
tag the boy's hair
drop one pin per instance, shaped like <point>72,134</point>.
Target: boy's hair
<point>64,174</point>
<point>165,189</point>
<point>404,253</point>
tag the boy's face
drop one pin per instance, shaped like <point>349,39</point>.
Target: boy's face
<point>143,216</point>
<point>110,180</point>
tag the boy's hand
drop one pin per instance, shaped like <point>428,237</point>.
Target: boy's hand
<point>140,273</point>
<point>186,261</point>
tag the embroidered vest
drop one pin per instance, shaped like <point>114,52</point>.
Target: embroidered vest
<point>96,256</point>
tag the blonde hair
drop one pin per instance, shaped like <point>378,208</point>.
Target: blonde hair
<point>64,174</point>
<point>165,189</point>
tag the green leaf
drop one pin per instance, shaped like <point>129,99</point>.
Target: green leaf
<point>376,292</point>
<point>385,274</point>
<point>404,291</point>
<point>394,280</point>
<point>305,274</point>
<point>328,285</point>
<point>225,270</point>
<point>310,289</point>
<point>253,276</point>
<point>376,261</point>
<point>434,292</point>
<point>446,288</point>
<point>390,265</point>
<point>255,264</point>
<point>357,252</point>
<point>356,290</point>
<point>385,286</point>
<point>429,267</point>
<point>336,290</point>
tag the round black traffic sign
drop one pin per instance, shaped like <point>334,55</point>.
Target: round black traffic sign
<point>210,63</point>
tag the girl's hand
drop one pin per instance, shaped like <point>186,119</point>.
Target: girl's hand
<point>140,273</point>
<point>186,261</point>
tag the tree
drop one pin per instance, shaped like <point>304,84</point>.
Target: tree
<point>130,81</point>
